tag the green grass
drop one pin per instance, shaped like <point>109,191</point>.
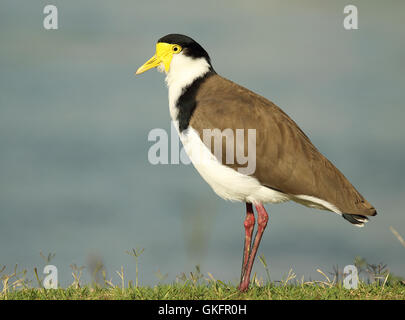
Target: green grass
<point>376,282</point>
<point>196,286</point>
<point>189,291</point>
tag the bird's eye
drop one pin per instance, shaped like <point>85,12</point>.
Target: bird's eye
<point>176,48</point>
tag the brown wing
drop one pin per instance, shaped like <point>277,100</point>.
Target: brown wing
<point>286,160</point>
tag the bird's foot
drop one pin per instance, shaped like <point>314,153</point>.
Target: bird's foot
<point>243,286</point>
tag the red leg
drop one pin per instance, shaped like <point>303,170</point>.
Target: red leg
<point>262,218</point>
<point>249,224</point>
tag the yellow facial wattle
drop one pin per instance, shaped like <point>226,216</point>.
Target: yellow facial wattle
<point>164,54</point>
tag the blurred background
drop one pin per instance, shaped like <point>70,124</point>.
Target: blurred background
<point>74,121</point>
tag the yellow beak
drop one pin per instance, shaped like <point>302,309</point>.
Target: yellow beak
<point>163,55</point>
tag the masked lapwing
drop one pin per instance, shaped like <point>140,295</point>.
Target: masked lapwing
<point>287,165</point>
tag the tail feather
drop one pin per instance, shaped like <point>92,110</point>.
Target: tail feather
<point>356,219</point>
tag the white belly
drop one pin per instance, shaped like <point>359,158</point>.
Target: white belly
<point>226,182</point>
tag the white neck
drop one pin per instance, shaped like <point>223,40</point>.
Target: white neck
<point>183,71</point>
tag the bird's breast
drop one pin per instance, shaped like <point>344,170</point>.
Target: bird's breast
<point>228,183</point>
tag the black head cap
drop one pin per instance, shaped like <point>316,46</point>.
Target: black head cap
<point>190,47</point>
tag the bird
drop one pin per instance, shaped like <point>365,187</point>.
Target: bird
<point>287,166</point>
